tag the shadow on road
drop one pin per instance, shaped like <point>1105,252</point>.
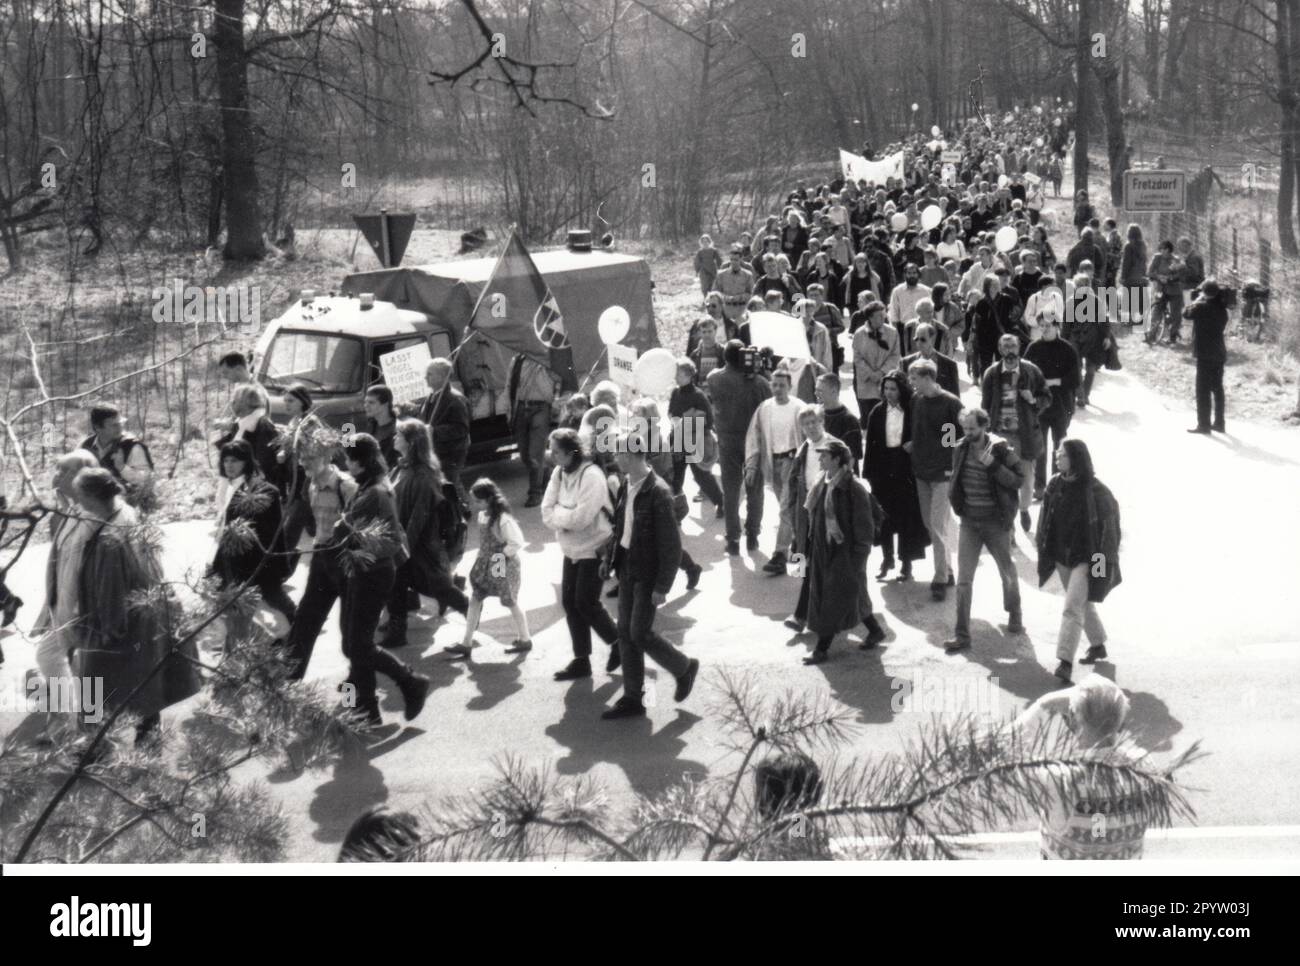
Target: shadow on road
<point>650,759</point>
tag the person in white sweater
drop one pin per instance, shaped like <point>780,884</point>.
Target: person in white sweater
<point>578,508</point>
<point>774,436</point>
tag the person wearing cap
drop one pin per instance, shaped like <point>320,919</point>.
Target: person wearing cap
<point>770,444</point>
<point>841,529</point>
<point>645,550</point>
<point>1209,317</point>
<point>1095,710</point>
<point>735,284</point>
<point>986,476</point>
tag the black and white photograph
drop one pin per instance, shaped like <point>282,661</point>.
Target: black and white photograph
<point>490,435</point>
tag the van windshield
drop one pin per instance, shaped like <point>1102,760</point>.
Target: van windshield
<point>325,363</point>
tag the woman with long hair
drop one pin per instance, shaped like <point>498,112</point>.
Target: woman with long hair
<point>1078,540</point>
<point>251,540</point>
<point>1133,279</point>
<point>419,491</point>
<point>496,571</point>
<point>381,420</point>
<point>303,428</point>
<point>360,565</point>
<point>888,468</point>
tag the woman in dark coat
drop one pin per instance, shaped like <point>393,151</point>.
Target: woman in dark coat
<point>251,546</point>
<point>888,468</point>
<point>418,492</point>
<point>1078,540</point>
<point>121,638</point>
<point>840,530</point>
<point>360,566</point>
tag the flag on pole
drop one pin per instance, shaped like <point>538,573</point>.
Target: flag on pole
<point>518,311</point>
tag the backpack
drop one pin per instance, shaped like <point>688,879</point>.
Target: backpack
<point>453,521</point>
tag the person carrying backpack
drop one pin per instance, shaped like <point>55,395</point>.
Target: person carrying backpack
<point>577,506</point>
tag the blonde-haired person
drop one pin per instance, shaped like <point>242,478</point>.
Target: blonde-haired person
<point>1092,818</point>
<point>250,407</point>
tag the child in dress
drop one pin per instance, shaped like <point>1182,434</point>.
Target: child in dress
<point>496,570</point>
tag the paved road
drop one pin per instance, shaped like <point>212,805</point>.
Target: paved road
<point>1205,637</point>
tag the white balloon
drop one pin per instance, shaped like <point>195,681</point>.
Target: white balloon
<point>936,130</point>
<point>931,216</point>
<point>655,372</point>
<point>613,324</point>
<point>1038,109</point>
<point>1003,181</point>
<point>1056,122</point>
<point>916,107</point>
<point>898,222</point>
<point>1005,239</point>
<point>1038,142</point>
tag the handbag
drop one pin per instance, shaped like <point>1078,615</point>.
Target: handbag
<point>681,506</point>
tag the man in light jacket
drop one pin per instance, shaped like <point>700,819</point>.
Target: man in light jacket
<point>774,436</point>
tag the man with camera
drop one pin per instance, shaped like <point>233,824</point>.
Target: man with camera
<point>1209,317</point>
<point>736,391</point>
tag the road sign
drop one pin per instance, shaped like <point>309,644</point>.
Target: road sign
<point>1155,191</point>
<point>404,373</point>
<point>387,234</point>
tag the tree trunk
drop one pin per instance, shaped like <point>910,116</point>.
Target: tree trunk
<point>1151,15</point>
<point>1083,95</point>
<point>238,143</point>
<point>1107,71</point>
<point>1287,130</point>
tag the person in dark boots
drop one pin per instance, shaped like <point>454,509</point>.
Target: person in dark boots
<point>841,528</point>
<point>417,482</point>
<point>646,547</point>
<point>1209,317</point>
<point>360,565</point>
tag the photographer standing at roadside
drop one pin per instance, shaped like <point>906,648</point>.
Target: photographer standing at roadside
<point>1209,317</point>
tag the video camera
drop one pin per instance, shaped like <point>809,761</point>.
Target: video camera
<point>755,361</point>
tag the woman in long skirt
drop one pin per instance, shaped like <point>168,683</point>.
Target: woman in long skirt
<point>889,471</point>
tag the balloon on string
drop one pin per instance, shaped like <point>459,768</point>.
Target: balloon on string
<point>898,222</point>
<point>931,216</point>
<point>655,372</point>
<point>1038,142</point>
<point>915,107</point>
<point>936,130</point>
<point>613,324</point>
<point>1038,108</point>
<point>1005,239</point>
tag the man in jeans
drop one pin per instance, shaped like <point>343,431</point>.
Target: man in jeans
<point>935,431</point>
<point>646,547</point>
<point>986,479</point>
<point>770,446</point>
